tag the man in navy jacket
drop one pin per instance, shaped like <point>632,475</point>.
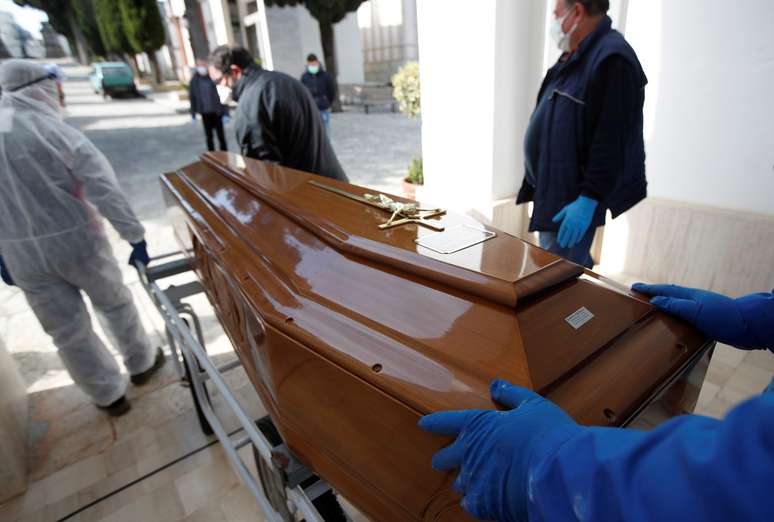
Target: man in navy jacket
<point>584,149</point>
<point>204,98</point>
<point>320,85</point>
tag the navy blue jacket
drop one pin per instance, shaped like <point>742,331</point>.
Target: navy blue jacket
<point>203,96</point>
<point>586,135</point>
<point>320,85</point>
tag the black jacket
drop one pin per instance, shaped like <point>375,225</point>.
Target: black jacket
<point>203,96</point>
<point>321,87</point>
<point>277,120</point>
<point>586,135</point>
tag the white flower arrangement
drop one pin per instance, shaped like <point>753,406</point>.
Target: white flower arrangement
<point>406,89</point>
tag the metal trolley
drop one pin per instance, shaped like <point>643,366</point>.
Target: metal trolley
<point>285,489</point>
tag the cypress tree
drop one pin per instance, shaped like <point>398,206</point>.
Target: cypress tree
<point>144,29</point>
<point>87,21</point>
<point>111,27</point>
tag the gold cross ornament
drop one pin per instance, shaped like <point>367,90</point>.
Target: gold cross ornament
<point>401,213</point>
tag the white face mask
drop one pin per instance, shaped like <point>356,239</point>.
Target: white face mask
<point>224,93</point>
<point>561,38</point>
<point>201,70</point>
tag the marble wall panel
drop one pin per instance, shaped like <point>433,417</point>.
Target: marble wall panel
<point>13,428</point>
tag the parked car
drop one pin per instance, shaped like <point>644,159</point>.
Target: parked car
<point>110,78</point>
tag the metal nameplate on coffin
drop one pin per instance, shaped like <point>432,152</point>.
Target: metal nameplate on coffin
<point>562,330</point>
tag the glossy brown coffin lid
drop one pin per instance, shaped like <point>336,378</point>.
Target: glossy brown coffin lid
<point>510,268</point>
<point>351,338</point>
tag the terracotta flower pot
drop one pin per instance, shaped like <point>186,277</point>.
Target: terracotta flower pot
<point>409,190</point>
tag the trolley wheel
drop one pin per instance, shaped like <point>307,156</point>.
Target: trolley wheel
<point>329,508</point>
<point>273,482</point>
<point>203,422</point>
<point>273,487</point>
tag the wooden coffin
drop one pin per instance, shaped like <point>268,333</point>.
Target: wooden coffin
<point>350,333</point>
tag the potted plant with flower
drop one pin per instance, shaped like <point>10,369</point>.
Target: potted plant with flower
<point>406,92</point>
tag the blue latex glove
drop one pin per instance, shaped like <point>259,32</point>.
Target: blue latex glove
<point>576,219</point>
<point>193,116</point>
<point>139,253</point>
<point>6,277</point>
<point>727,320</point>
<point>225,118</point>
<point>497,451</point>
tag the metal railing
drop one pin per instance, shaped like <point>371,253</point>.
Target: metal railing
<point>298,498</point>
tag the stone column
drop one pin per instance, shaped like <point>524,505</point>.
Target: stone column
<point>13,428</point>
<point>481,67</point>
<point>410,30</point>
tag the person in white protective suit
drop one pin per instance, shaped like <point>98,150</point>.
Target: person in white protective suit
<point>52,244</point>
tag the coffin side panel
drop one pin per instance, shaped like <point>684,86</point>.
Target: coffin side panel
<point>364,441</point>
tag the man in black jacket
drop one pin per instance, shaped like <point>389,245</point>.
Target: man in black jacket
<point>276,118</point>
<point>320,85</point>
<point>204,99</point>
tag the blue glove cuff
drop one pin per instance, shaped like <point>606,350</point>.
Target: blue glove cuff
<point>757,310</point>
<point>588,203</point>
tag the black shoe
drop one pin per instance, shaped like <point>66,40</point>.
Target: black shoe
<point>117,408</point>
<point>139,379</point>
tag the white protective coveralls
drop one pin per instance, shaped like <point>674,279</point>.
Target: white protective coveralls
<point>52,239</point>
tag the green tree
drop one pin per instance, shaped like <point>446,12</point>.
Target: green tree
<point>144,29</point>
<point>327,13</point>
<point>111,27</point>
<point>87,21</point>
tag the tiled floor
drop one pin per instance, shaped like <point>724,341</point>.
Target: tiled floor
<point>200,487</point>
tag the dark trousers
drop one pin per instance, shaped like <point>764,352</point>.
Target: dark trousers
<point>212,121</point>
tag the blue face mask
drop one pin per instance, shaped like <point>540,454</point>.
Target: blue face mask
<point>313,69</point>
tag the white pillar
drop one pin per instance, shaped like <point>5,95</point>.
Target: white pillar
<point>410,30</point>
<point>480,67</point>
<point>264,41</point>
<point>221,22</point>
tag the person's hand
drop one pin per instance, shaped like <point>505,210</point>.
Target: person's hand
<point>4,274</point>
<point>495,450</point>
<point>139,253</point>
<point>715,315</point>
<point>576,219</point>
<point>225,118</point>
<point>193,117</point>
